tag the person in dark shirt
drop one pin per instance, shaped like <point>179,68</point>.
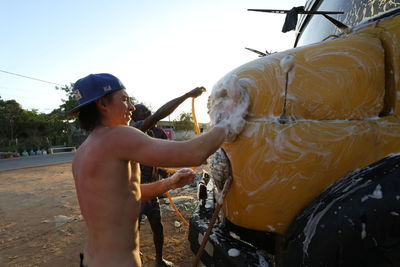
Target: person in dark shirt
<point>145,121</point>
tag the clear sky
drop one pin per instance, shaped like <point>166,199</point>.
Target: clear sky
<point>159,49</point>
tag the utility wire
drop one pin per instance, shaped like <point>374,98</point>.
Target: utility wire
<point>32,78</point>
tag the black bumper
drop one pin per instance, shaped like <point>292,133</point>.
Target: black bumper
<point>222,248</point>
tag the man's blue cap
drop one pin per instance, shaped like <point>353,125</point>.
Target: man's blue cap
<point>93,87</point>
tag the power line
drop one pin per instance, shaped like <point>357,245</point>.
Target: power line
<point>32,78</point>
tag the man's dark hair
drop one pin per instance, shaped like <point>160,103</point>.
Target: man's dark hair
<point>89,116</point>
<point>139,115</point>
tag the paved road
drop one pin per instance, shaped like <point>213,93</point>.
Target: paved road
<point>35,161</point>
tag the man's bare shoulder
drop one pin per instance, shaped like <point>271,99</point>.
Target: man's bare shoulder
<point>124,134</point>
<point>120,140</point>
<point>111,138</point>
<point>110,143</point>
<point>116,133</point>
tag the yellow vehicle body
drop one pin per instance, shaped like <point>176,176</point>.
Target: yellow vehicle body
<point>342,99</point>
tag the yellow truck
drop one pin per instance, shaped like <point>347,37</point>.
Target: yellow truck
<point>316,177</point>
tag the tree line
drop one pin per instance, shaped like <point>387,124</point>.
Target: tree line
<point>25,130</point>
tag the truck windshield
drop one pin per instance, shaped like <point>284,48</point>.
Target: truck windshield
<point>316,28</point>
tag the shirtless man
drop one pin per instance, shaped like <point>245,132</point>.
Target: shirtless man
<point>107,174</point>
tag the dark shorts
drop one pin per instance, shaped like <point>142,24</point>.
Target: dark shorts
<point>151,209</point>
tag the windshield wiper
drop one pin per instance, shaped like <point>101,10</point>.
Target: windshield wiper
<point>260,54</point>
<point>292,16</point>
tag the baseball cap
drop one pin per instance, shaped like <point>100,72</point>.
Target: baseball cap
<point>93,87</point>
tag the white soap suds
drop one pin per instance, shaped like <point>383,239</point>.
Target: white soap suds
<point>363,231</point>
<point>232,234</point>
<point>261,258</point>
<point>233,252</point>
<point>214,238</point>
<point>377,192</point>
<point>309,229</point>
<point>271,228</point>
<point>287,63</point>
<point>228,106</point>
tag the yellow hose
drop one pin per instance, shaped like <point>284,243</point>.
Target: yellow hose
<point>176,209</point>
<point>196,125</point>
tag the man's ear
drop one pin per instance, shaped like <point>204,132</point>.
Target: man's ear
<point>101,104</point>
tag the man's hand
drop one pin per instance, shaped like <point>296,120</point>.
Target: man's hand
<point>228,106</point>
<point>196,92</point>
<point>182,177</point>
<point>179,179</point>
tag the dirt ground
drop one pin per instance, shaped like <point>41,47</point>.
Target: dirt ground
<point>41,225</point>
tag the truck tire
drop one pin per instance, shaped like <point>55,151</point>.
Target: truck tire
<point>355,222</point>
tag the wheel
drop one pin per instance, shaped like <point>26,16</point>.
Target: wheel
<point>355,222</point>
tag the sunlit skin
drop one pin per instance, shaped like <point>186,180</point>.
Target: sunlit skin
<point>107,179</point>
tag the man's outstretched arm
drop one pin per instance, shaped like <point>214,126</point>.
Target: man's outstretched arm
<point>168,108</point>
<point>179,179</point>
